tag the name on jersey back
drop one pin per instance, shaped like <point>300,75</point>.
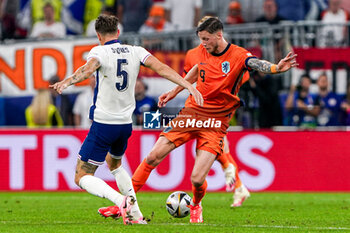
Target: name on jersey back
<point>120,50</point>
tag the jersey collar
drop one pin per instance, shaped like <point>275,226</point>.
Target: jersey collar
<point>112,42</point>
<point>225,50</point>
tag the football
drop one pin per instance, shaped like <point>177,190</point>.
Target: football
<point>177,204</point>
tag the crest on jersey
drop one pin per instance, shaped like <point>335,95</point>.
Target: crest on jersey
<point>225,67</point>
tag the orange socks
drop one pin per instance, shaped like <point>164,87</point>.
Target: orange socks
<point>141,175</point>
<point>238,180</point>
<point>198,193</point>
<point>223,160</point>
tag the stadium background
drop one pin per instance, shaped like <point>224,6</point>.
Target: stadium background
<point>281,158</point>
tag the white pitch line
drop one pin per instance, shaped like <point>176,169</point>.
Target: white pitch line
<point>257,226</point>
<point>190,224</point>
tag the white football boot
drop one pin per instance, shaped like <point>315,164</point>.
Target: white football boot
<point>241,194</point>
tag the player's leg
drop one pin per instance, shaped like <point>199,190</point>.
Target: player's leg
<point>159,151</point>
<point>231,169</point>
<point>84,178</point>
<point>204,161</point>
<point>93,153</point>
<point>241,193</point>
<point>124,184</point>
<point>123,180</point>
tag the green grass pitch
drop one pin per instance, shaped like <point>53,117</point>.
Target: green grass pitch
<point>262,212</point>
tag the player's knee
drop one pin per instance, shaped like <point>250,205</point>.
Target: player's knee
<point>197,181</point>
<point>152,159</point>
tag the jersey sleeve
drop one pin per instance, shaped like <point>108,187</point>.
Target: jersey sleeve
<point>245,56</point>
<point>96,52</point>
<point>187,64</point>
<point>142,54</point>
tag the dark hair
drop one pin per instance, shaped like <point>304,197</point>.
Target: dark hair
<point>106,24</point>
<point>211,25</point>
<point>305,75</point>
<point>54,79</point>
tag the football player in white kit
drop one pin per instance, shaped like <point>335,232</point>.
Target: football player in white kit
<point>117,67</point>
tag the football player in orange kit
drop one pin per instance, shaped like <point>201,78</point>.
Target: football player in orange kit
<point>219,75</point>
<point>233,182</point>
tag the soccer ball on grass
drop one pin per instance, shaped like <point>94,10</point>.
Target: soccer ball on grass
<point>177,204</point>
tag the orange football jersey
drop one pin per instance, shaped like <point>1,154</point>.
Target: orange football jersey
<point>219,78</point>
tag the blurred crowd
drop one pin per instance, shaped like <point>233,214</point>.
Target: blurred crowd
<point>265,106</point>
<point>57,18</point>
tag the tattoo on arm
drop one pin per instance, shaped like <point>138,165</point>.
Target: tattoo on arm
<point>260,65</point>
<point>84,72</point>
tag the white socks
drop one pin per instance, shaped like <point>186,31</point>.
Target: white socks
<point>125,187</point>
<point>98,187</point>
<point>123,181</point>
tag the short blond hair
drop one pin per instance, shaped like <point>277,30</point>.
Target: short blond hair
<point>205,18</point>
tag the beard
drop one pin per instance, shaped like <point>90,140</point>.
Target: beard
<point>215,48</point>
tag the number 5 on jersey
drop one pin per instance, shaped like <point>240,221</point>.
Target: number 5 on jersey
<point>122,74</point>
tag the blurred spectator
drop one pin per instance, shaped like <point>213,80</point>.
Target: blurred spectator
<point>62,103</point>
<point>345,4</point>
<point>270,13</point>
<point>38,14</point>
<point>183,14</point>
<point>156,21</point>
<point>294,10</point>
<point>48,28</point>
<point>8,25</point>
<point>329,103</point>
<point>90,29</point>
<point>133,13</point>
<point>82,105</point>
<point>301,107</point>
<point>271,16</point>
<point>93,8</point>
<point>316,7</point>
<point>266,88</point>
<point>345,106</point>
<point>41,112</point>
<point>251,9</point>
<point>143,103</point>
<point>234,16</point>
<point>333,35</point>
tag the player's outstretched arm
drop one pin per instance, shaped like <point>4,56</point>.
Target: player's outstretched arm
<point>170,74</point>
<point>79,75</point>
<point>269,68</point>
<point>191,77</point>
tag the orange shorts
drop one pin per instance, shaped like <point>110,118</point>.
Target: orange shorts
<point>210,138</point>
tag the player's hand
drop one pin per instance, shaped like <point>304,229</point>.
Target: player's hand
<point>196,95</point>
<point>287,63</point>
<point>60,86</point>
<point>165,98</point>
<point>300,104</point>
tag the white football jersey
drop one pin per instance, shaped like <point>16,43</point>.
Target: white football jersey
<point>114,99</point>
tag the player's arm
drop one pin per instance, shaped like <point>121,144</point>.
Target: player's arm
<point>170,74</point>
<point>269,68</point>
<point>79,75</point>
<point>191,77</point>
